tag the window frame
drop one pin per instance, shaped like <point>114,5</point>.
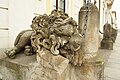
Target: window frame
<point>57,2</point>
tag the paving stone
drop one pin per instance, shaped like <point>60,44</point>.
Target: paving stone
<point>117,56</point>
<point>109,78</point>
<point>114,60</point>
<point>112,67</point>
<point>112,73</point>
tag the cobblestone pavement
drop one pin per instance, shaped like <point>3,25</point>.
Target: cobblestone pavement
<point>112,67</point>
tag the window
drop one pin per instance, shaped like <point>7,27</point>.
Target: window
<point>60,5</point>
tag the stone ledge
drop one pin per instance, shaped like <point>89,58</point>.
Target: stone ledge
<point>15,69</point>
<point>21,59</point>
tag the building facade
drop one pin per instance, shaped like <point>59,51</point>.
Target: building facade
<point>17,15</point>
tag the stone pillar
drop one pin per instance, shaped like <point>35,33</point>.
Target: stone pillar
<point>92,67</point>
<point>89,17</point>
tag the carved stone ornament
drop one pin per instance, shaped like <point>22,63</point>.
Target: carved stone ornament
<point>56,33</point>
<point>22,44</point>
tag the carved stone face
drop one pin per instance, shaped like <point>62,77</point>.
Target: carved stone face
<point>66,30</point>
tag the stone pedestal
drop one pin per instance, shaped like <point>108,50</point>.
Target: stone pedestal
<point>87,71</point>
<point>92,69</point>
<point>107,44</point>
<point>48,67</point>
<point>89,27</point>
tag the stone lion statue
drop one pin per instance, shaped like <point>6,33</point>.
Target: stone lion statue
<point>56,33</point>
<point>22,43</point>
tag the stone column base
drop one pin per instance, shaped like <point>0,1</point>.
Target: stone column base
<point>107,44</point>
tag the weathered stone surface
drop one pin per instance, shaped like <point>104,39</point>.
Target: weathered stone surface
<point>85,72</point>
<point>22,40</point>
<point>92,68</point>
<point>63,70</point>
<point>89,28</point>
<point>17,69</point>
<point>45,71</point>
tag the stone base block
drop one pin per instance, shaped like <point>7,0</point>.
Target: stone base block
<point>59,68</point>
<point>107,44</point>
<point>85,72</point>
<point>15,69</point>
